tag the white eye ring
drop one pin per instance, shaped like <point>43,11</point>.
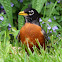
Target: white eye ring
<point>32,12</point>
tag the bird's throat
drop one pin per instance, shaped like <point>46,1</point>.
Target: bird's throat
<point>29,20</point>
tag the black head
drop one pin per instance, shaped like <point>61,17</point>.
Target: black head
<point>30,13</point>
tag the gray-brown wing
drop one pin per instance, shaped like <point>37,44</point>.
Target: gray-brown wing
<point>45,34</point>
<point>18,36</point>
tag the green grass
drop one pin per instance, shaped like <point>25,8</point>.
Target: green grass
<point>9,53</point>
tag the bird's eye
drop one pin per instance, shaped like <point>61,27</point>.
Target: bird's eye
<point>31,12</point>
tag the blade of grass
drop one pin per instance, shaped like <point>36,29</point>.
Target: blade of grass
<point>52,9</point>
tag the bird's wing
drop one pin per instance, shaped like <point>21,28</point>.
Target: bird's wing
<point>45,35</point>
<point>18,36</point>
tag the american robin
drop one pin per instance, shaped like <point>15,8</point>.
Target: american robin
<point>32,30</point>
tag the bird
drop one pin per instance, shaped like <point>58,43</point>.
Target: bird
<point>32,31</point>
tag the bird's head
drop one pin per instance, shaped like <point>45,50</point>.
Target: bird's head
<point>30,14</point>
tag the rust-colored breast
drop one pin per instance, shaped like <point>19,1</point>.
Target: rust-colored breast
<point>29,33</point>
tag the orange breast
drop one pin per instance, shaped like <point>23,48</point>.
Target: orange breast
<point>29,33</point>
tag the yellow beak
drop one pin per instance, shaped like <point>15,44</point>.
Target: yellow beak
<point>23,13</point>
